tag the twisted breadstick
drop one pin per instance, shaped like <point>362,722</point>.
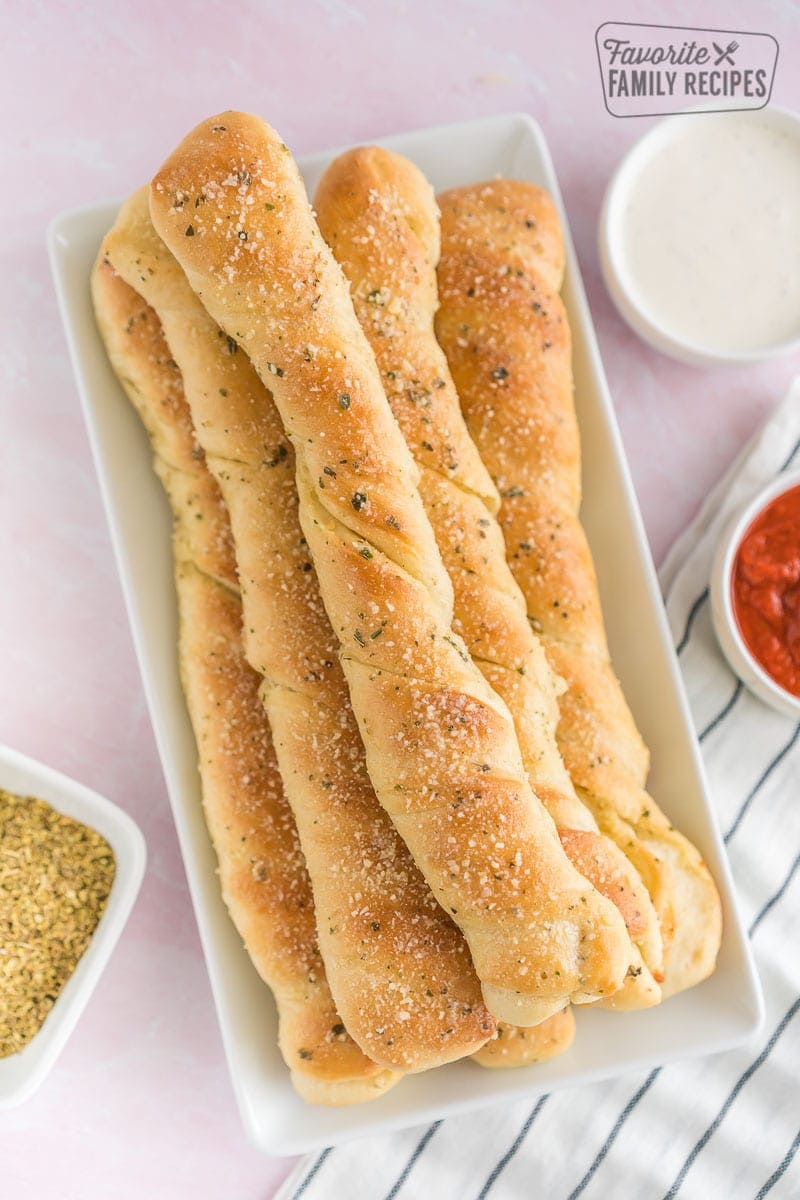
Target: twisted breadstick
<point>441,748</point>
<point>504,330</point>
<point>264,881</point>
<point>392,272</point>
<point>398,968</point>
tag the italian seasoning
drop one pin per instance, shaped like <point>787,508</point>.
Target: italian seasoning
<point>55,878</point>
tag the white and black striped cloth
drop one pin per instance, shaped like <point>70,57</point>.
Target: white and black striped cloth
<point>723,1128</point>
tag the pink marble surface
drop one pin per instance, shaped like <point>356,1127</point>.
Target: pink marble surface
<point>93,96</point>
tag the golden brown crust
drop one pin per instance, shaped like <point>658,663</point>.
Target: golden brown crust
<point>262,873</point>
<point>378,214</point>
<point>513,1046</point>
<point>398,968</point>
<point>370,189</point>
<point>504,329</point>
<point>441,748</point>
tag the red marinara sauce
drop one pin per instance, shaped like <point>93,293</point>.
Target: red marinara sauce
<point>766,589</point>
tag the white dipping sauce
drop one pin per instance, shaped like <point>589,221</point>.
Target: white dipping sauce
<point>709,231</point>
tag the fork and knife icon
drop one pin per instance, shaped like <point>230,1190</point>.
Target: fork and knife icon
<point>725,55</point>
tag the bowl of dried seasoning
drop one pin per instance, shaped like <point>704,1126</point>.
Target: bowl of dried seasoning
<point>71,863</point>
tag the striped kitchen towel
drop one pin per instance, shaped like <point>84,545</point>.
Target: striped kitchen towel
<point>723,1128</point>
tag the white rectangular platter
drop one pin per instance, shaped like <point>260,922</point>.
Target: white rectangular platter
<point>724,1011</point>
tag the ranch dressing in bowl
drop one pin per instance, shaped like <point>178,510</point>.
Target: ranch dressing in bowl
<point>700,238</point>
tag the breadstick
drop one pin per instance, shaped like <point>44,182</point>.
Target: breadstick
<point>374,190</point>
<point>264,881</point>
<point>505,332</point>
<point>398,968</point>
<point>441,749</point>
<point>514,1046</point>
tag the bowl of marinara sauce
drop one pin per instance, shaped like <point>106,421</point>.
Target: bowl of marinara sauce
<point>755,594</point>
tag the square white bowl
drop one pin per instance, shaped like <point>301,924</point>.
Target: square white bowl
<point>21,1074</point>
<point>724,1011</point>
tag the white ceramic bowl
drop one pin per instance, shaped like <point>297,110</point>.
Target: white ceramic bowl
<point>733,645</point>
<point>21,1074</point>
<point>629,300</point>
